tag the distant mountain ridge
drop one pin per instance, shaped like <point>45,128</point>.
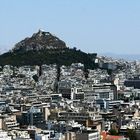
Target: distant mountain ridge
<point>129,57</point>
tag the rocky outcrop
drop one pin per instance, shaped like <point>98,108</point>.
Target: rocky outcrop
<point>39,41</point>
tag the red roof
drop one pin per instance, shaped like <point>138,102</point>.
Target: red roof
<point>106,136</point>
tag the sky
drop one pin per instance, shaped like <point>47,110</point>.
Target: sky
<point>101,26</point>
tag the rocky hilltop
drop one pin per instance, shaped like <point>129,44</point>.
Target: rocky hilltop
<point>40,41</point>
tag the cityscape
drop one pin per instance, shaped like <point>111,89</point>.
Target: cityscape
<point>52,90</point>
<point>68,102</point>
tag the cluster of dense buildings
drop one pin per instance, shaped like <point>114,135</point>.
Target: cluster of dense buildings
<point>66,103</point>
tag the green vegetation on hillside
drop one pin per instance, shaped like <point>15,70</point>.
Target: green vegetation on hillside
<point>48,56</point>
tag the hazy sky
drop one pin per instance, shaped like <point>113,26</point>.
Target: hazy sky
<point>91,25</point>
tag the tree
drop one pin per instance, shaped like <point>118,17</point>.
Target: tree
<point>113,132</point>
<point>131,133</point>
<point>86,72</point>
<point>35,77</point>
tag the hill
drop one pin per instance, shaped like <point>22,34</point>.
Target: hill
<point>44,48</point>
